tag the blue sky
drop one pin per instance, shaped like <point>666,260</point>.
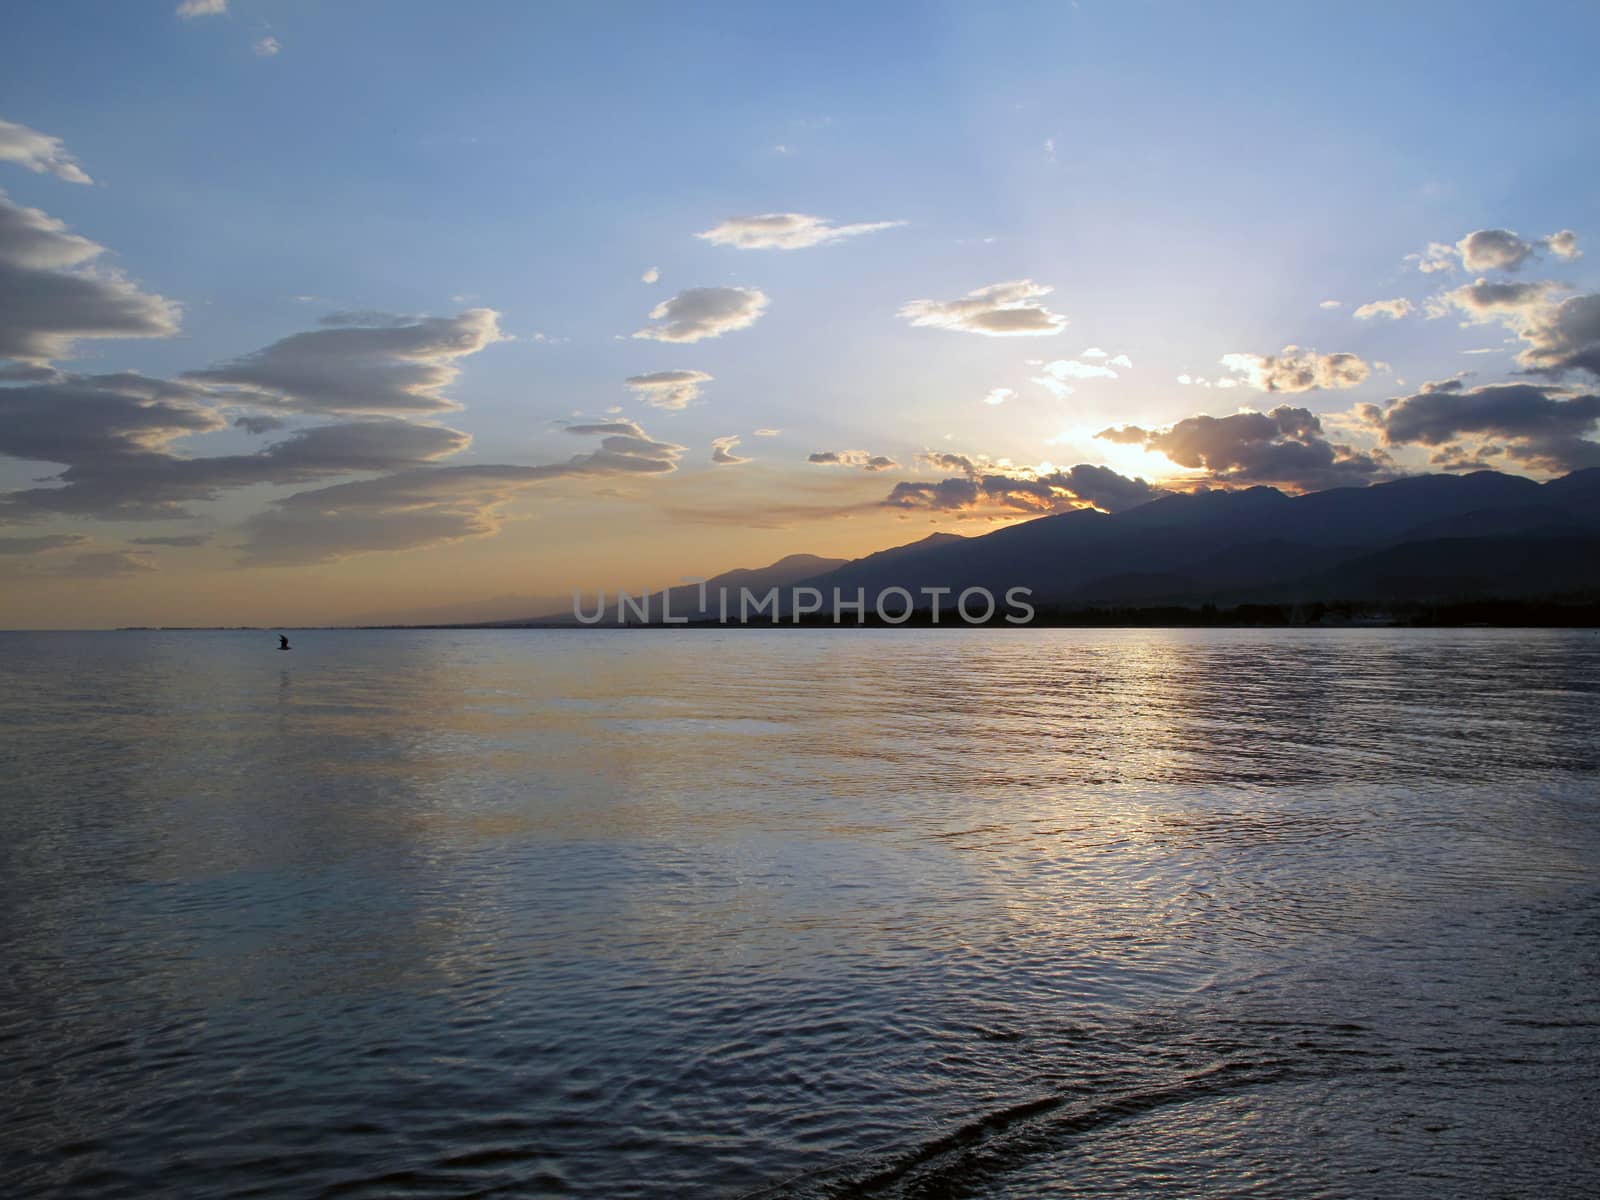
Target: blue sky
<point>1190,182</point>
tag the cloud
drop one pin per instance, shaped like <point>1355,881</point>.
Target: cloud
<point>1285,447</point>
<point>1439,256</point>
<point>90,418</point>
<point>1560,336</point>
<point>999,395</point>
<point>266,47</point>
<point>705,312</point>
<point>945,460</point>
<point>202,8</point>
<point>999,310</point>
<point>105,564</point>
<point>384,365</point>
<point>1058,372</point>
<point>1540,426</point>
<point>259,425</point>
<point>1563,245</point>
<point>1029,490</point>
<point>1483,301</point>
<point>42,544</point>
<point>722,451</point>
<point>16,372</point>
<point>670,390</point>
<point>182,540</point>
<point>39,153</point>
<point>432,506</point>
<point>51,293</point>
<point>766,432</point>
<point>652,275</point>
<point>114,436</point>
<point>1393,309</point>
<point>1563,337</point>
<point>785,231</point>
<point>1493,250</point>
<point>1331,304</point>
<point>852,458</point>
<point>1297,370</point>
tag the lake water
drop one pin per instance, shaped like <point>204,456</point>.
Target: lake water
<point>800,913</point>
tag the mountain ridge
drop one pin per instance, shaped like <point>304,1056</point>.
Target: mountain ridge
<point>1473,536</point>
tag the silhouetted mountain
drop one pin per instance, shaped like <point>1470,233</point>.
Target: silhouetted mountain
<point>1457,536</point>
<point>684,601</point>
<point>1429,538</point>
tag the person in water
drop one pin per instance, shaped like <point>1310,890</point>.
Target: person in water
<point>283,642</point>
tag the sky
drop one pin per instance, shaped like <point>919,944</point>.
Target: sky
<point>326,312</point>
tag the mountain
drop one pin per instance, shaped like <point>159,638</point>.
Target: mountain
<point>1427,538</point>
<point>466,612</point>
<point>684,601</point>
<point>1424,537</point>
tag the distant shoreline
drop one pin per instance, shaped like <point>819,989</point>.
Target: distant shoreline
<point>1572,613</point>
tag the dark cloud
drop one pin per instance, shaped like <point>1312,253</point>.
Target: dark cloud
<point>1538,426</point>
<point>1564,337</point>
<point>1284,447</point>
<point>1561,336</point>
<point>17,372</point>
<point>1032,492</point>
<point>432,506</point>
<point>183,540</point>
<point>42,544</point>
<point>259,425</point>
<point>51,293</point>
<point>945,461</point>
<point>852,458</point>
<point>949,494</point>
<point>398,367</point>
<point>114,435</point>
<point>89,418</point>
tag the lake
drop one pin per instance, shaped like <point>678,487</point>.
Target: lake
<point>809,913</point>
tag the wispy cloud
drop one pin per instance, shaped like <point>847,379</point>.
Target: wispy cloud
<point>671,390</point>
<point>785,231</point>
<point>39,153</point>
<point>1393,309</point>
